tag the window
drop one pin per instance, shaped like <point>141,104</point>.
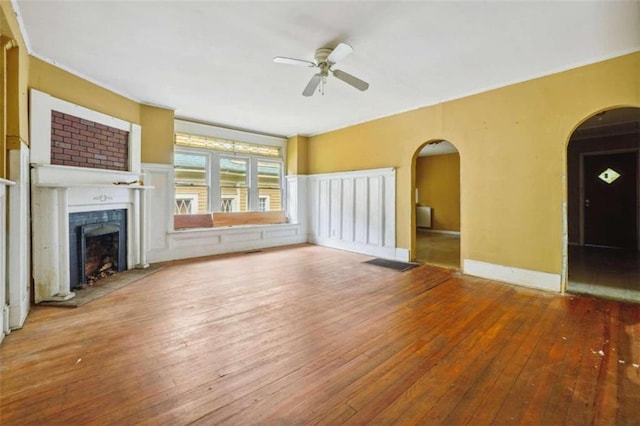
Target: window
<point>191,180</point>
<point>195,141</point>
<point>269,188</point>
<point>186,203</point>
<point>234,183</point>
<point>228,204</point>
<point>263,203</point>
<point>215,175</point>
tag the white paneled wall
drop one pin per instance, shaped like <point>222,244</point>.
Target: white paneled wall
<point>4,318</point>
<point>297,202</point>
<point>19,239</point>
<point>355,211</point>
<point>160,206</point>
<point>352,211</point>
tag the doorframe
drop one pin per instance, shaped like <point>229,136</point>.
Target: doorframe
<point>413,199</point>
<point>581,187</point>
<point>564,274</point>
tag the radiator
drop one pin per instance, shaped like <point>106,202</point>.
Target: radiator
<point>423,217</point>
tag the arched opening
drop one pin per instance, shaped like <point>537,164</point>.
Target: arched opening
<point>603,205</point>
<point>437,204</point>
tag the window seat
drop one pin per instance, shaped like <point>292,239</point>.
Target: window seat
<point>248,218</point>
<point>187,221</point>
<point>219,219</point>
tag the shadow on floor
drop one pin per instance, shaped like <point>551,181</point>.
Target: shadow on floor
<point>603,272</point>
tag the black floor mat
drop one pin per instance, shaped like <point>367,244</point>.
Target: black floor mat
<point>393,264</point>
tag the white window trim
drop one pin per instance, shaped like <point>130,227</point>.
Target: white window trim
<point>188,127</point>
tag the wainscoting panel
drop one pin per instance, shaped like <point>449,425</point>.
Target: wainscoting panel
<point>335,205</point>
<point>348,210</point>
<point>375,229</point>
<point>19,238</point>
<point>160,204</point>
<point>352,211</point>
<point>355,211</point>
<point>389,212</point>
<point>361,219</point>
<point>4,309</point>
<point>324,204</point>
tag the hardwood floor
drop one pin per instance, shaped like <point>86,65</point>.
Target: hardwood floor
<point>310,335</point>
<point>439,249</point>
<point>605,272</point>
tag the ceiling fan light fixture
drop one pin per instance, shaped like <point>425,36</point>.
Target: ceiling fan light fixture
<point>325,59</point>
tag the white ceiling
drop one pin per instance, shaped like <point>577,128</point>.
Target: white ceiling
<point>212,60</point>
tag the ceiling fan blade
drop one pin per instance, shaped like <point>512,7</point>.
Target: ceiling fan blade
<point>341,51</point>
<point>312,85</point>
<point>351,80</point>
<point>292,61</point>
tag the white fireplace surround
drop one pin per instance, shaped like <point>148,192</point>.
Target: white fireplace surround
<point>60,190</point>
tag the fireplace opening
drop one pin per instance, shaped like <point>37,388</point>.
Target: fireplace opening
<point>99,251</point>
<point>97,246</point>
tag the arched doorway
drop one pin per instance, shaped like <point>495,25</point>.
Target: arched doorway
<point>603,205</point>
<point>437,204</point>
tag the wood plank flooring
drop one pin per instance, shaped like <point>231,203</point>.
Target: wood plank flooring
<point>310,335</point>
<point>437,248</point>
<point>605,272</point>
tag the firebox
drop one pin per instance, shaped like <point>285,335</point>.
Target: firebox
<point>97,245</point>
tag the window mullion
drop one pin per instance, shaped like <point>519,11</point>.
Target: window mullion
<point>253,184</point>
<point>214,182</point>
<point>283,187</point>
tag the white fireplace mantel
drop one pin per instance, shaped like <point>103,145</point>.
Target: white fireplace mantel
<point>55,196</point>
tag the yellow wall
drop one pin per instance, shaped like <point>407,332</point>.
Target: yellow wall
<point>69,87</point>
<point>157,134</point>
<point>512,145</point>
<point>291,168</point>
<point>438,183</point>
<point>19,69</point>
<point>14,104</point>
<point>297,155</point>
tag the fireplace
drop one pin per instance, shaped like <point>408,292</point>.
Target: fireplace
<point>97,245</point>
<point>87,165</point>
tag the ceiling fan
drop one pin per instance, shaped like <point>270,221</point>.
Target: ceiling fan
<point>325,59</point>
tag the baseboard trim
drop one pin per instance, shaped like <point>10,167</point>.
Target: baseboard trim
<point>394,253</point>
<point>508,274</point>
<point>438,231</point>
<point>402,254</point>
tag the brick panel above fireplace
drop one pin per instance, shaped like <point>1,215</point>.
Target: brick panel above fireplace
<point>84,143</point>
